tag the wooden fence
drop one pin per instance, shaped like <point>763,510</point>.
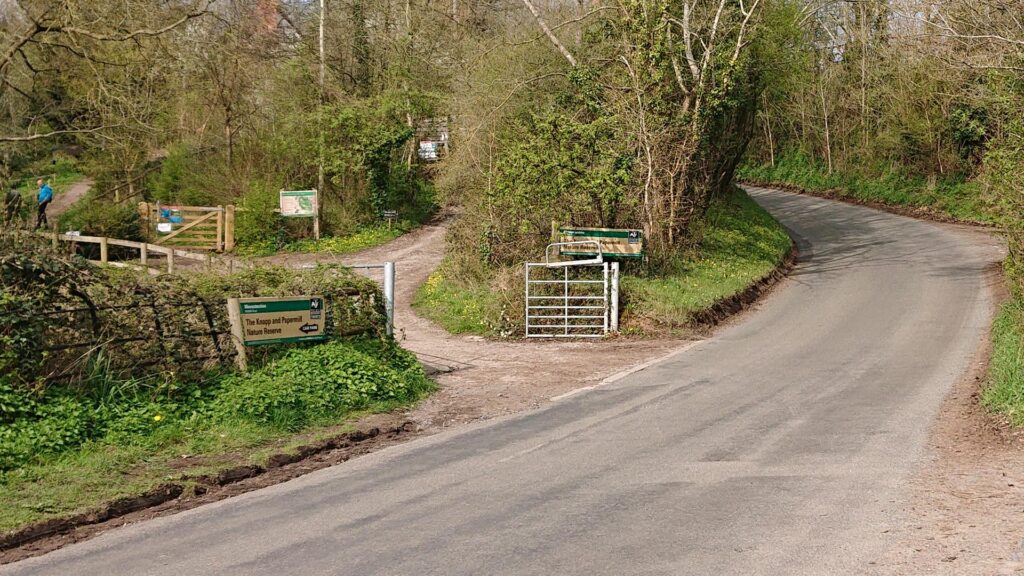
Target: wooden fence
<point>149,254</point>
<point>191,227</point>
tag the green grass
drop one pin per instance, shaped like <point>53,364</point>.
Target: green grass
<point>953,197</point>
<point>1005,392</point>
<point>741,244</point>
<point>134,439</point>
<point>460,307</point>
<point>368,237</point>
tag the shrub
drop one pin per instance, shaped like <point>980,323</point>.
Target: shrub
<point>300,387</point>
<point>311,385</point>
<point>95,216</point>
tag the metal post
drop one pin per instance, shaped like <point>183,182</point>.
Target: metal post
<point>527,300</point>
<point>389,296</point>
<point>615,297</point>
<point>565,321</point>
<point>604,286</point>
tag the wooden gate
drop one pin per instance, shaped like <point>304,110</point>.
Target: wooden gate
<point>191,227</point>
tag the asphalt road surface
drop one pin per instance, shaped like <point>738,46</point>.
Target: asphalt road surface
<point>782,445</point>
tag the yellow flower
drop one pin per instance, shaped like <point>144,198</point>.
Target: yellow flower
<point>157,418</point>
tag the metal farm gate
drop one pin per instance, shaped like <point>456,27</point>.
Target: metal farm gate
<point>571,299</point>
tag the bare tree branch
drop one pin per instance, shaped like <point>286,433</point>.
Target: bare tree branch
<point>551,35</point>
<point>32,137</point>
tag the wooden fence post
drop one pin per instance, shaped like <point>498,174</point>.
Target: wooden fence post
<point>104,250</point>
<point>237,333</point>
<point>170,261</point>
<point>146,224</point>
<point>144,253</point>
<point>219,244</point>
<point>229,228</point>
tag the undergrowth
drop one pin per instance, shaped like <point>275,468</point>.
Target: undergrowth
<point>60,449</point>
<point>741,243</point>
<point>952,196</point>
<point>1005,392</point>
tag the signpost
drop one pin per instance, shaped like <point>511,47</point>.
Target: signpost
<point>615,243</point>
<point>302,204</point>
<point>390,216</point>
<point>285,320</point>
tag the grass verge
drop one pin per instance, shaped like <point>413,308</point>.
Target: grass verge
<point>952,198</point>
<point>127,438</point>
<point>1005,392</point>
<point>741,244</point>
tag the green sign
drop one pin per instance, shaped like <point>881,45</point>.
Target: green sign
<point>264,321</point>
<point>298,203</point>
<point>615,243</point>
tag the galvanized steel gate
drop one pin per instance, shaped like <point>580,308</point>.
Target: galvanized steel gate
<point>571,299</point>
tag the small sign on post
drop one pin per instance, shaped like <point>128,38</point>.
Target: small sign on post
<point>285,320</point>
<point>615,243</point>
<point>302,204</point>
<point>390,216</point>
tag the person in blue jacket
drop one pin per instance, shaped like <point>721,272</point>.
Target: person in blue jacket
<point>45,197</point>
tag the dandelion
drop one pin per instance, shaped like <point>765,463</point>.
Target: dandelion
<point>157,418</point>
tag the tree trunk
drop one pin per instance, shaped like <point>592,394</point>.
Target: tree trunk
<point>551,35</point>
<point>828,136</point>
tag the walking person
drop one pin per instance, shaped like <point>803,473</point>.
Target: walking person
<point>45,197</point>
<point>12,204</point>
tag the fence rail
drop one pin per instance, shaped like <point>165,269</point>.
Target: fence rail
<point>196,227</point>
<point>146,251</point>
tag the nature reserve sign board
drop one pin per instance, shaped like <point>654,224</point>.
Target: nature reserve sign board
<point>298,203</point>
<point>615,243</point>
<point>261,321</point>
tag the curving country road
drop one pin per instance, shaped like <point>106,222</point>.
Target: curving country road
<point>782,445</point>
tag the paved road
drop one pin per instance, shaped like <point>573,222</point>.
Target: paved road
<point>779,446</point>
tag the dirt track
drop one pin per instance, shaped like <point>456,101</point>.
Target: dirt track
<point>64,200</point>
<point>482,378</point>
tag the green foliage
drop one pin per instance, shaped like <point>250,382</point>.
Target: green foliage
<point>96,215</point>
<point>301,387</point>
<point>1000,179</point>
<point>257,227</point>
<point>969,129</point>
<point>461,306</point>
<point>739,245</point>
<point>33,278</point>
<point>1005,393</point>
<point>178,180</point>
<point>360,240</point>
<point>62,319</point>
<point>557,167</point>
<point>365,151</point>
<point>314,385</point>
<point>953,196</point>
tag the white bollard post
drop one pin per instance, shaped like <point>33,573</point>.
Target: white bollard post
<point>389,296</point>
<point>615,297</point>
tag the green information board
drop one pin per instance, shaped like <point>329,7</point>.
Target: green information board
<point>298,203</point>
<point>615,243</point>
<point>287,320</point>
